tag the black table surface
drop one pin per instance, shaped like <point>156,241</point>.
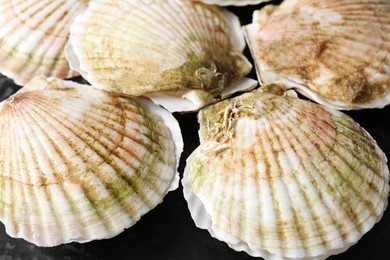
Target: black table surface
<point>168,232</point>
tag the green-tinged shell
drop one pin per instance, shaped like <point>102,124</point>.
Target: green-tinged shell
<point>335,52</point>
<point>280,177</point>
<point>79,164</point>
<point>180,53</point>
<point>33,34</point>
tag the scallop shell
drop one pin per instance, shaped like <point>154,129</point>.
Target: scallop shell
<point>33,34</point>
<point>283,178</point>
<point>79,164</point>
<point>179,53</point>
<point>335,52</point>
<point>233,2</point>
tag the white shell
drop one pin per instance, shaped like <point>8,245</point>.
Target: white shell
<point>335,52</point>
<point>79,164</point>
<point>181,54</point>
<point>233,2</point>
<point>33,34</point>
<point>283,178</point>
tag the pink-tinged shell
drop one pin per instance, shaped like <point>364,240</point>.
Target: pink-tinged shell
<point>181,54</point>
<point>283,178</point>
<point>335,52</point>
<point>79,164</point>
<point>33,34</point>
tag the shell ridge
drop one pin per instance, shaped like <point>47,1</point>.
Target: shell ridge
<point>309,200</point>
<point>370,168</point>
<point>25,57</point>
<point>113,163</point>
<point>181,25</point>
<point>112,190</point>
<point>84,186</point>
<point>277,136</point>
<point>270,161</point>
<point>333,187</point>
<point>35,197</point>
<point>174,132</point>
<point>259,157</point>
<point>35,14</point>
<point>68,197</point>
<point>279,120</point>
<point>5,190</point>
<point>337,153</point>
<point>141,192</point>
<point>112,150</point>
<point>68,122</point>
<point>348,135</point>
<point>352,208</point>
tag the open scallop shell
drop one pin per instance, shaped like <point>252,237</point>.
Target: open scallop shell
<point>283,178</point>
<point>181,54</point>
<point>233,2</point>
<point>335,52</point>
<point>79,164</point>
<point>33,34</point>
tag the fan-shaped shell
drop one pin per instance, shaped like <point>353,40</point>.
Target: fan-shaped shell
<point>335,52</point>
<point>180,53</point>
<point>79,164</point>
<point>33,34</point>
<point>281,177</point>
<point>233,2</point>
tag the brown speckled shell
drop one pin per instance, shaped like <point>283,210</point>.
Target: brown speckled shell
<point>335,52</point>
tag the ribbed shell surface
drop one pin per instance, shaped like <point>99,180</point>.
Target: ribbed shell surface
<point>280,177</point>
<point>233,2</point>
<point>33,34</point>
<point>168,48</point>
<point>335,52</point>
<point>79,164</point>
